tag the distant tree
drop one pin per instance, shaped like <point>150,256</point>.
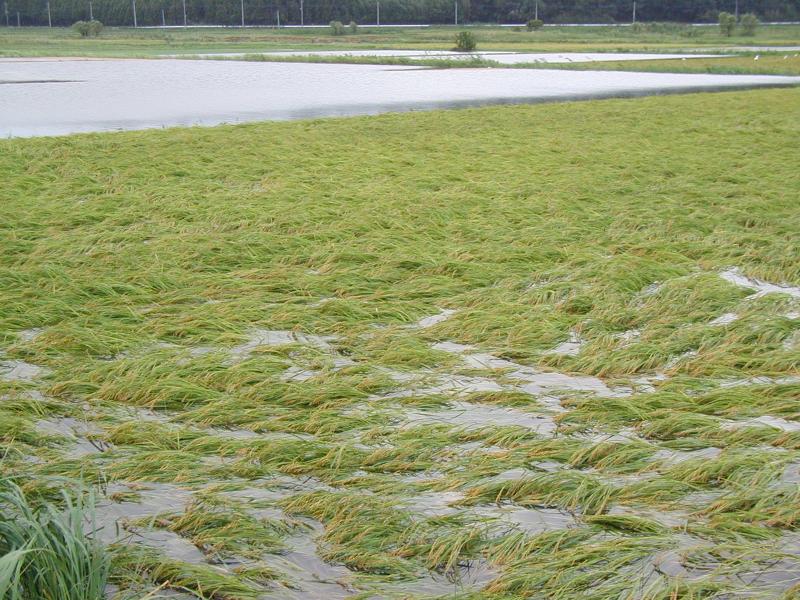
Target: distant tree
<point>262,12</point>
<point>465,41</point>
<point>727,23</point>
<point>353,27</point>
<point>337,28</point>
<point>749,24</point>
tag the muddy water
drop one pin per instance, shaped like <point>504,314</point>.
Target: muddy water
<point>468,415</point>
<point>82,434</point>
<point>533,381</point>
<point>104,95</point>
<point>760,288</point>
<point>19,370</point>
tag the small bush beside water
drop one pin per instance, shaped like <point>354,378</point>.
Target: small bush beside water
<point>465,41</point>
<point>45,552</point>
<point>88,28</point>
<point>353,27</point>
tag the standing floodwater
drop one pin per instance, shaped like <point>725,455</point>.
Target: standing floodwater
<point>58,96</point>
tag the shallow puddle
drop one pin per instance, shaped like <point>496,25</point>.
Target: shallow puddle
<point>674,457</point>
<point>168,543</point>
<point>535,382</point>
<point>309,574</point>
<point>19,370</point>
<point>667,518</point>
<point>532,521</point>
<point>469,415</point>
<point>572,347</point>
<point>80,432</point>
<point>28,335</point>
<point>765,420</point>
<point>266,337</point>
<point>430,383</point>
<point>469,576</point>
<point>277,488</point>
<point>432,320</point>
<point>112,518</point>
<point>735,276</point>
<point>434,504</point>
<point>725,319</point>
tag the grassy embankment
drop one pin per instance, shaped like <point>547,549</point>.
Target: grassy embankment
<point>766,64</point>
<point>780,63</point>
<point>121,42</point>
<point>135,267</point>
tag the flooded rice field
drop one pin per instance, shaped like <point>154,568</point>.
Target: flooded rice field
<point>486,453</point>
<point>532,352</point>
<point>56,97</point>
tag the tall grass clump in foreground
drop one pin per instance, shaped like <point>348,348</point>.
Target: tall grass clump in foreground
<point>46,552</point>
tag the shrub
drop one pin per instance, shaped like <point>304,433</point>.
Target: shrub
<point>95,27</point>
<point>727,23</point>
<point>81,27</point>
<point>46,551</point>
<point>337,28</point>
<point>465,42</point>
<point>88,28</point>
<point>534,24</point>
<point>749,24</point>
<point>353,27</point>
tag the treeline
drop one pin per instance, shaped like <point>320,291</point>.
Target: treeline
<point>265,12</point>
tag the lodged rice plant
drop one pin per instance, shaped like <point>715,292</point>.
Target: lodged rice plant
<point>536,351</point>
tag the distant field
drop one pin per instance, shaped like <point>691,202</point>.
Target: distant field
<point>774,63</point>
<point>147,42</point>
<point>471,354</point>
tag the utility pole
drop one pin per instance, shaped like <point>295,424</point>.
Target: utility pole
<point>242,13</point>
<point>378,9</point>
<point>456,5</point>
<point>536,11</point>
<point>184,13</point>
<point>634,12</point>
<point>49,19</point>
<point>736,11</point>
<point>278,17</point>
<point>163,20</point>
<point>133,3</point>
<point>91,14</point>
<point>302,16</point>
